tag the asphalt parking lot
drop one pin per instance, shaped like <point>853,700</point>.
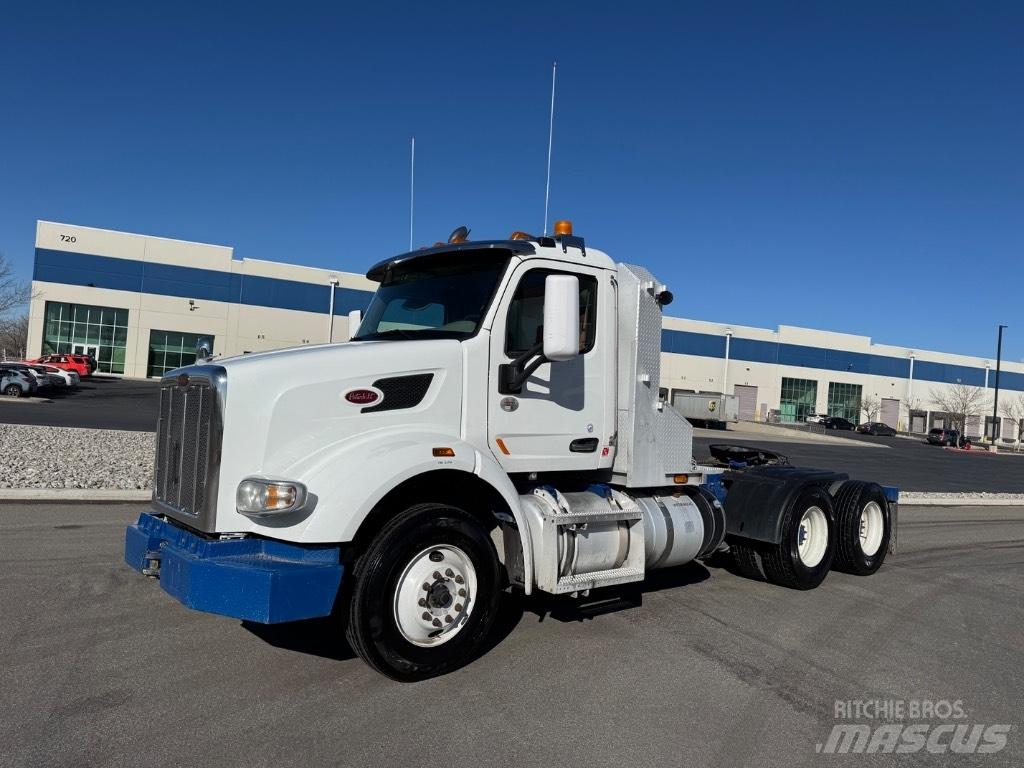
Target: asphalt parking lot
<point>909,464</point>
<point>912,465</point>
<point>99,402</point>
<point>99,667</point>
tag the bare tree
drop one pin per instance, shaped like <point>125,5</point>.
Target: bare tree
<point>871,405</point>
<point>13,336</point>
<point>960,401</point>
<point>1013,408</point>
<point>13,292</point>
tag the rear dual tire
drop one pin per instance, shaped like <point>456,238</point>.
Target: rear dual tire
<point>803,557</point>
<point>863,528</point>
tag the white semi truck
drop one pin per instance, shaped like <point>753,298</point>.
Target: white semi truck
<point>493,424</point>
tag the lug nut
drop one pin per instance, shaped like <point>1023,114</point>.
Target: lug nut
<point>426,587</point>
<point>437,622</point>
<point>423,602</point>
<point>459,580</point>
<point>458,606</point>
<point>426,616</point>
<point>437,574</point>
<point>447,619</point>
<point>450,573</point>
<point>462,593</point>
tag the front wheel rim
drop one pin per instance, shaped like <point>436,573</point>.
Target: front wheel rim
<point>812,536</point>
<point>435,595</point>
<point>872,526</point>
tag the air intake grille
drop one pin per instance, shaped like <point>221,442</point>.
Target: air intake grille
<point>183,460</point>
<point>401,392</point>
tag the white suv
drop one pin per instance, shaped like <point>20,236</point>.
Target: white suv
<point>14,383</point>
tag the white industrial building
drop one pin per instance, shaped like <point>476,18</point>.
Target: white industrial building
<point>139,304</point>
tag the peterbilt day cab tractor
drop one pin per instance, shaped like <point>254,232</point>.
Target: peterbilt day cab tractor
<point>493,424</point>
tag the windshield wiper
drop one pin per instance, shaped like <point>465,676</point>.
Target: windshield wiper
<point>401,333</point>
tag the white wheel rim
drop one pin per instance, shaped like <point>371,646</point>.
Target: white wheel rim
<point>812,536</point>
<point>435,595</point>
<point>872,525</point>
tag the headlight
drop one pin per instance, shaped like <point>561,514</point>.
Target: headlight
<point>258,496</point>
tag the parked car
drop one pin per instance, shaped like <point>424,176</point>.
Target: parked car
<point>64,362</point>
<point>59,377</point>
<point>837,422</point>
<point>815,418</point>
<point>15,383</point>
<point>876,428</point>
<point>949,437</point>
<point>39,377</point>
<point>88,361</point>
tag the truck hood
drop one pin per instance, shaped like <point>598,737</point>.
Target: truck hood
<point>284,408</point>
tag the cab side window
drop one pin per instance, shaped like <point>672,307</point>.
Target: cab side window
<point>524,328</point>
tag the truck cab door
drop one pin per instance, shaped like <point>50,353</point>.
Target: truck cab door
<point>563,417</point>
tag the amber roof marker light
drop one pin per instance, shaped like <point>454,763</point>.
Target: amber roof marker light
<point>563,227</point>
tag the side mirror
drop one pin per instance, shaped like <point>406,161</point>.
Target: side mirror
<point>355,318</point>
<point>561,317</point>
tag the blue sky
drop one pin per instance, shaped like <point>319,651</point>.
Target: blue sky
<point>856,167</point>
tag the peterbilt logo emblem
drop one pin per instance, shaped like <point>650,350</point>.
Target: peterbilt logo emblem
<point>362,396</point>
<point>183,380</point>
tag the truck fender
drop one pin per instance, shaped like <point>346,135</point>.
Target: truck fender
<point>355,475</point>
<point>756,498</point>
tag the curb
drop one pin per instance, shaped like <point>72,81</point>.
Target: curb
<point>86,495</point>
<point>982,499</point>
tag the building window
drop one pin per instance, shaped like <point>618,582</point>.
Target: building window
<point>171,349</point>
<point>83,329</point>
<point>844,401</point>
<point>799,399</point>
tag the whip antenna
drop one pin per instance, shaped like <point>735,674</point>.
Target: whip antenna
<point>551,134</point>
<point>412,185</point>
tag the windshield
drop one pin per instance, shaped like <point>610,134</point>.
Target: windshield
<point>438,297</point>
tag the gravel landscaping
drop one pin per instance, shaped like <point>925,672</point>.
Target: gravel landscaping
<point>61,457</point>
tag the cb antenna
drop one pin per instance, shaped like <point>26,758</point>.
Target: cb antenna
<point>551,134</point>
<point>412,185</point>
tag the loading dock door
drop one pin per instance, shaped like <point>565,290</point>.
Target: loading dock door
<point>891,412</point>
<point>747,397</point>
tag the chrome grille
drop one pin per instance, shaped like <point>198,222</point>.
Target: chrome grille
<point>188,445</point>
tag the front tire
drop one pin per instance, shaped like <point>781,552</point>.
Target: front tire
<point>804,556</point>
<point>13,390</point>
<point>863,528</point>
<point>426,593</point>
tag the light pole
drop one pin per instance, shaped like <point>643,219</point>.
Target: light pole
<point>995,400</point>
<point>330,311</point>
<point>725,374</point>
<point>910,397</point>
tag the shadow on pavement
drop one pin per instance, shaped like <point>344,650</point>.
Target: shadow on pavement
<point>326,637</point>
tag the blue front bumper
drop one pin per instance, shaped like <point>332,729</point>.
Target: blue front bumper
<point>254,579</point>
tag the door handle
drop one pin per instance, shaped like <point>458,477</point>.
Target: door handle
<point>583,445</point>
